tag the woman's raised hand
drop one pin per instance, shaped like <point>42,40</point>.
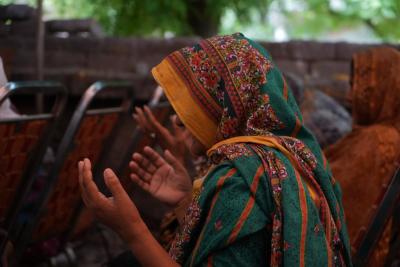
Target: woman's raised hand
<point>164,178</point>
<point>118,212</point>
<point>172,141</point>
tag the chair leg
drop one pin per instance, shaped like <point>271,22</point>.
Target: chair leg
<point>393,257</point>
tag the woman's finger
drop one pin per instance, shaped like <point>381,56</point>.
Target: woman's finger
<point>170,158</point>
<point>139,171</point>
<point>136,179</point>
<point>176,128</point>
<point>92,193</point>
<point>143,120</point>
<point>114,185</point>
<point>138,116</point>
<point>144,163</point>
<point>81,185</point>
<point>80,166</point>
<point>153,156</point>
<point>156,125</point>
<point>84,193</point>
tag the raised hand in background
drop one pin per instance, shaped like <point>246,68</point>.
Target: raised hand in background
<point>173,141</point>
<point>165,178</point>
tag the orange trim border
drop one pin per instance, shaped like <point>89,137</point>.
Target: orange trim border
<point>178,94</point>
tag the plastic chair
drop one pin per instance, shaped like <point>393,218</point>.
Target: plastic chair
<point>89,134</point>
<point>23,143</point>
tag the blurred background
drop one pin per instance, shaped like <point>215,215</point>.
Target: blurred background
<point>79,42</point>
<point>270,20</point>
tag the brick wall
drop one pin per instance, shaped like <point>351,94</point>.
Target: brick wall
<point>79,61</point>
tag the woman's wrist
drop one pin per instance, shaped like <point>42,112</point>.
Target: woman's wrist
<point>146,248</point>
<point>135,233</point>
<point>179,201</point>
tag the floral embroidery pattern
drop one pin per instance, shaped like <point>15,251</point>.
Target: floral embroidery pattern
<point>276,172</point>
<point>205,71</point>
<point>302,153</point>
<point>231,71</point>
<point>247,69</point>
<point>190,221</point>
<point>228,125</point>
<point>230,152</point>
<point>336,245</point>
<point>263,120</point>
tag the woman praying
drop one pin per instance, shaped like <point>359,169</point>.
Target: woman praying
<point>366,159</point>
<point>268,199</point>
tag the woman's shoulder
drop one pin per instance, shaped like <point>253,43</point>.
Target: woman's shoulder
<point>237,161</point>
<point>385,132</point>
<point>376,136</point>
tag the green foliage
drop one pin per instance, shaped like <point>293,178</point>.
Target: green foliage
<point>141,17</point>
<point>381,16</point>
<point>7,2</point>
<point>128,17</point>
<point>302,18</point>
<point>154,17</point>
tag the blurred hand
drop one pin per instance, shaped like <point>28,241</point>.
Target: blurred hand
<point>164,178</point>
<point>173,142</point>
<point>117,212</point>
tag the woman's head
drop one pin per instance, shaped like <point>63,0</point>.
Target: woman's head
<point>375,81</point>
<point>228,86</point>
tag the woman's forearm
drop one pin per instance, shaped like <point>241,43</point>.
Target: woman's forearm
<point>147,250</point>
